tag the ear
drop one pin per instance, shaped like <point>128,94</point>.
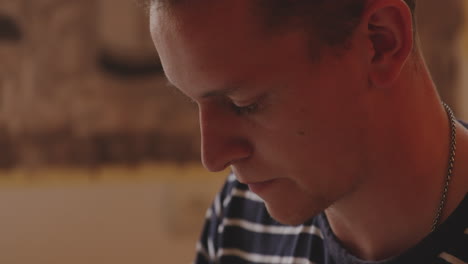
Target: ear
<point>390,33</point>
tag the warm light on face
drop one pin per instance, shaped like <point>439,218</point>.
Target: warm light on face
<point>287,120</point>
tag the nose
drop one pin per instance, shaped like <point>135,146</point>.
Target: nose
<point>222,141</point>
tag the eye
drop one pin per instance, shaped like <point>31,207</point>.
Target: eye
<point>245,110</point>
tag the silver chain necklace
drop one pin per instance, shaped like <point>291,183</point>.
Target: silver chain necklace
<point>453,148</point>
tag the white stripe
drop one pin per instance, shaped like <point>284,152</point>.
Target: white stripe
<point>271,229</point>
<point>211,250</point>
<point>217,206</point>
<point>247,195</point>
<point>227,200</point>
<point>452,259</point>
<point>208,214</point>
<point>231,177</point>
<point>258,258</point>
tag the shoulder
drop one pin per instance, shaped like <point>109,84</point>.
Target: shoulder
<point>453,235</point>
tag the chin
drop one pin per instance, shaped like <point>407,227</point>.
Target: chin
<point>292,215</point>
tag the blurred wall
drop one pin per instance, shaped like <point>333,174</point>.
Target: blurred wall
<point>144,222</point>
<point>82,86</point>
<point>441,26</point>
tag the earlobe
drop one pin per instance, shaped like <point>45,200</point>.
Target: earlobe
<point>389,26</point>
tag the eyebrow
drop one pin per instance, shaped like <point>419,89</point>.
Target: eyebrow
<point>223,92</point>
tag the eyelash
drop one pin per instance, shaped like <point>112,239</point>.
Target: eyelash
<point>245,110</point>
<point>238,110</point>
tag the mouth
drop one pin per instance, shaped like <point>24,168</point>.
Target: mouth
<point>260,187</point>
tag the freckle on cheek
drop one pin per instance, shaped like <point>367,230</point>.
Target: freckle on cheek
<point>301,133</point>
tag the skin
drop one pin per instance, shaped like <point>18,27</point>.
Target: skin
<point>353,133</point>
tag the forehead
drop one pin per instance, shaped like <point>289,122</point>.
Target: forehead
<point>215,17</point>
<point>211,45</point>
<point>191,29</point>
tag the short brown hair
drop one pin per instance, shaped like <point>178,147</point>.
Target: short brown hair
<point>333,20</point>
<point>340,16</point>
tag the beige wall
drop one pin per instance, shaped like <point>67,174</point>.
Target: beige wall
<point>120,223</point>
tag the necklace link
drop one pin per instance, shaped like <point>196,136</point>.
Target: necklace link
<point>451,162</point>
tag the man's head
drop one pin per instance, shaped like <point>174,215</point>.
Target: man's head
<point>334,21</point>
<point>300,132</point>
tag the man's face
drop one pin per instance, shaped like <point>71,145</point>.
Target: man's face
<point>290,127</point>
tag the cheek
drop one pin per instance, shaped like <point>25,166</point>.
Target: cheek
<point>318,132</point>
<point>323,152</point>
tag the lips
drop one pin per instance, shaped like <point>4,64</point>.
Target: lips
<point>254,185</point>
<point>260,187</point>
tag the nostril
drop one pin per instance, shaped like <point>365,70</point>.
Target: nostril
<point>233,162</point>
<point>218,157</point>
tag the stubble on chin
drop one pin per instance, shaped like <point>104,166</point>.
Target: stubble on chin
<point>295,215</point>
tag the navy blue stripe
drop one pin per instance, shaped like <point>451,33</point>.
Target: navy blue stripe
<point>441,261</point>
<point>200,259</point>
<point>240,186</point>
<point>463,123</point>
<point>234,260</point>
<point>249,210</point>
<point>460,252</point>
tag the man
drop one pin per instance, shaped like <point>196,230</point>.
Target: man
<point>340,147</point>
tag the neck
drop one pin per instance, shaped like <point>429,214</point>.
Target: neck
<point>402,186</point>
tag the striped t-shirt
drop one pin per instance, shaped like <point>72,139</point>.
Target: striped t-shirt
<point>239,230</point>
